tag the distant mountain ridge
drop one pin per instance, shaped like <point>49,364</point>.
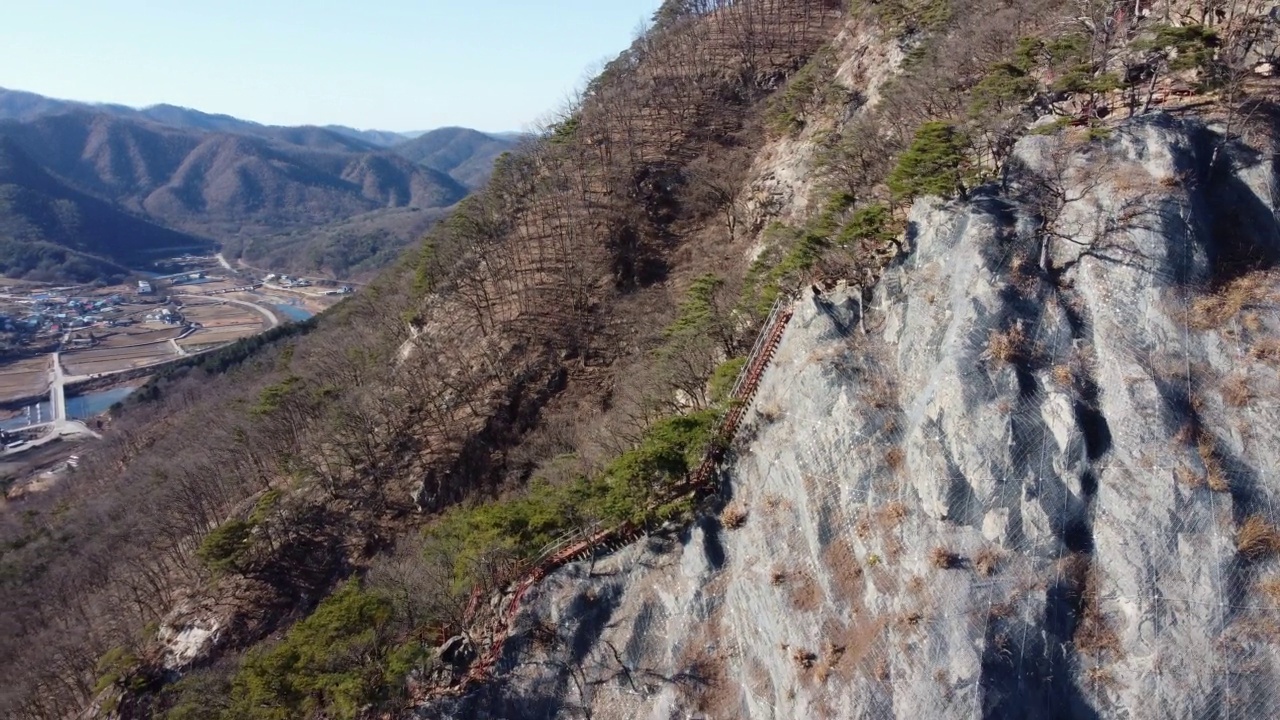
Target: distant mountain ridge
<point>26,106</point>
<point>50,231</point>
<point>467,155</point>
<point>308,198</point>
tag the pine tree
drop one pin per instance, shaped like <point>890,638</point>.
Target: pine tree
<point>933,165</point>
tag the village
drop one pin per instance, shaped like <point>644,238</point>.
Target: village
<point>71,352</point>
<point>99,331</point>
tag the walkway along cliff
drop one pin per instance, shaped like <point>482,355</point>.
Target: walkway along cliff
<point>590,543</point>
<point>1018,494</point>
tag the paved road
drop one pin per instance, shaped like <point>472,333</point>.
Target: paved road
<point>59,425</point>
<point>57,390</point>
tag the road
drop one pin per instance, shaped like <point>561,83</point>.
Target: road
<point>57,390</point>
<point>60,425</point>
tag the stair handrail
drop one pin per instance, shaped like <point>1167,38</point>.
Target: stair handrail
<point>550,556</point>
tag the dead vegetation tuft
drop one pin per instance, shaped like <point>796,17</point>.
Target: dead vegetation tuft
<point>988,560</point>
<point>1271,589</point>
<point>1006,346</point>
<point>1063,376</point>
<point>943,559</point>
<point>1221,307</point>
<point>733,517</point>
<point>1266,350</point>
<point>806,595</point>
<point>862,528</point>
<point>1214,474</point>
<point>804,658</point>
<point>1257,539</point>
<point>1236,391</point>
<point>895,459</point>
<point>1188,477</point>
<point>830,658</point>
<point>894,513</point>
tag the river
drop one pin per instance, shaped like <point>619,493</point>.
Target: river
<point>79,407</point>
<point>83,407</point>
<point>294,312</point>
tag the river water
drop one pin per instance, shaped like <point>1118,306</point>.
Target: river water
<point>30,415</point>
<point>83,407</point>
<point>294,312</point>
<point>79,407</point>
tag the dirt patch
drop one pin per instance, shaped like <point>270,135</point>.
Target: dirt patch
<point>806,595</point>
<point>844,569</point>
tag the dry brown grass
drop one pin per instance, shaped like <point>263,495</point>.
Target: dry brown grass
<point>1214,474</point>
<point>944,559</point>
<point>1063,376</point>
<point>879,392</point>
<point>1271,589</point>
<point>1249,290</point>
<point>733,517</point>
<point>1236,391</point>
<point>862,528</point>
<point>1257,539</point>
<point>988,561</point>
<point>806,595</point>
<point>830,658</point>
<point>1266,350</point>
<point>894,513</point>
<point>803,658</point>
<point>1094,634</point>
<point>895,459</point>
<point>1188,477</point>
<point>1006,346</point>
<point>910,619</point>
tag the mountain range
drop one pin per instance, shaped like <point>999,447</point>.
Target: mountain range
<point>309,199</point>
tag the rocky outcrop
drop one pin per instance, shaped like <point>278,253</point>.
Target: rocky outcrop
<point>1027,489</point>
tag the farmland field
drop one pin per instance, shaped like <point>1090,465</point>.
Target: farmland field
<point>24,378</point>
<point>220,323</point>
<point>100,360</point>
<point>139,336</point>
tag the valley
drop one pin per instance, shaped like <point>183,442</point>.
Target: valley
<point>74,352</point>
<point>818,359</point>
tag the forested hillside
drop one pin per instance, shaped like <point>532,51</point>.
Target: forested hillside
<point>49,231</point>
<point>467,155</point>
<point>306,199</point>
<point>327,522</point>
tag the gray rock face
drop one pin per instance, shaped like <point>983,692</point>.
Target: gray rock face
<point>1019,494</point>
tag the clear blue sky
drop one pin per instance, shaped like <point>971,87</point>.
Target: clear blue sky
<point>385,64</point>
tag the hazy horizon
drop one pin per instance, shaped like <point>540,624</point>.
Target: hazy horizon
<point>492,65</point>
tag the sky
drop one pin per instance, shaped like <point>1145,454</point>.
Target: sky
<point>400,65</point>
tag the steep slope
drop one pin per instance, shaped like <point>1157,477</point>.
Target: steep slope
<point>467,155</point>
<point>49,231</point>
<point>982,492</point>
<point>933,506</point>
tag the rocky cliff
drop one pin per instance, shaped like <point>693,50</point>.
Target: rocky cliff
<point>1031,473</point>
